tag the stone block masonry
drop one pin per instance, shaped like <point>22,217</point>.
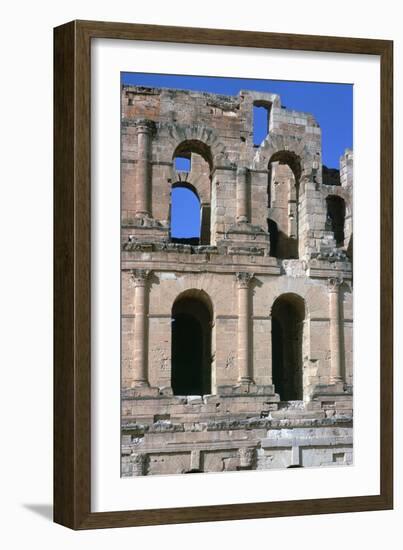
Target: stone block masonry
<point>237,343</point>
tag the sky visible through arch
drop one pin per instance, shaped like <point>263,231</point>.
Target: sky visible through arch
<point>330,104</point>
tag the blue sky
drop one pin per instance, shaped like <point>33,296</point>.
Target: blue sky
<point>330,104</point>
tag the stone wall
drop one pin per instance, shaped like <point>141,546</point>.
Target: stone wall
<point>268,236</point>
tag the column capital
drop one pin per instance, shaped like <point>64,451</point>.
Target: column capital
<point>334,283</point>
<point>139,276</point>
<point>145,126</point>
<point>244,278</point>
<point>242,171</point>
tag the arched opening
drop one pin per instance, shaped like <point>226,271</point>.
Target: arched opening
<point>185,214</point>
<point>284,172</point>
<point>194,146</point>
<point>261,121</point>
<point>287,317</point>
<point>335,217</point>
<point>191,345</point>
<point>190,222</point>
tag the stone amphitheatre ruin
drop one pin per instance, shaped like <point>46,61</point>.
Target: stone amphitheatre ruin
<point>237,344</point>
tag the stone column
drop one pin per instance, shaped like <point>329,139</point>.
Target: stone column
<point>335,330</point>
<point>145,129</point>
<point>242,195</point>
<point>243,280</point>
<point>140,344</point>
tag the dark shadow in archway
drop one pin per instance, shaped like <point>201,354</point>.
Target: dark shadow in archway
<point>191,346</point>
<point>336,213</point>
<point>288,314</point>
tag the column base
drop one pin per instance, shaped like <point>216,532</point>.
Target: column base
<point>141,391</point>
<point>245,385</point>
<point>140,384</point>
<point>245,380</point>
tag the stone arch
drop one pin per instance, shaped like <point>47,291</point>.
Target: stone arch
<point>305,163</point>
<point>198,294</point>
<point>192,314</point>
<point>277,143</point>
<point>198,179</point>
<point>290,158</point>
<point>189,146</point>
<point>187,185</point>
<point>205,141</point>
<point>284,173</point>
<point>297,295</point>
<point>288,314</point>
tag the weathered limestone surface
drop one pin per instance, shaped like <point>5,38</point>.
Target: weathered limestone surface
<point>268,283</point>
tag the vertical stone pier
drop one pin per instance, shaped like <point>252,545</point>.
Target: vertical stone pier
<point>140,343</point>
<point>336,375</point>
<point>242,195</point>
<point>244,344</point>
<point>145,130</point>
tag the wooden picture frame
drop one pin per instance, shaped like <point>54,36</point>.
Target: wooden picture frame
<point>72,271</point>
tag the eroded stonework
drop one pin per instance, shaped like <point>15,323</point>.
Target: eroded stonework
<point>261,301</point>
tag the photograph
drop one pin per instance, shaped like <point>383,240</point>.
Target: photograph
<point>236,274</point>
<point>210,200</point>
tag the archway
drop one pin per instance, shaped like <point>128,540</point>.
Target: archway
<point>288,314</point>
<point>335,217</point>
<point>185,214</point>
<point>190,147</point>
<point>191,344</point>
<point>284,170</point>
<point>193,164</point>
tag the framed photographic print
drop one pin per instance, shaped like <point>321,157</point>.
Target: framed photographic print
<point>211,315</point>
